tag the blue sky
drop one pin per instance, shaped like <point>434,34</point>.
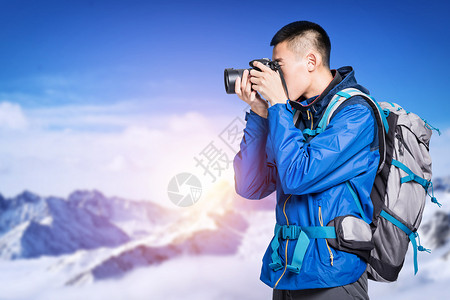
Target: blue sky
<point>101,94</point>
<point>65,52</point>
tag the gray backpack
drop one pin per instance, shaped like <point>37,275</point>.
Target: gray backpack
<point>400,188</point>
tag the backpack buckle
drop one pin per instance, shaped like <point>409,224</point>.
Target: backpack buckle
<point>290,232</point>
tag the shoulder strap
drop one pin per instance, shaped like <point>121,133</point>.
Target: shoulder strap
<point>383,127</point>
<point>334,103</point>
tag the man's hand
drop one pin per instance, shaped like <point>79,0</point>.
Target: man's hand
<point>268,84</point>
<point>243,88</point>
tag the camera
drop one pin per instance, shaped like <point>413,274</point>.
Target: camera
<point>231,74</point>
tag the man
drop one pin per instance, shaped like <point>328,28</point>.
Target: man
<point>311,174</point>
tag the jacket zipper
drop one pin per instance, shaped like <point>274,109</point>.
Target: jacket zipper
<point>320,206</point>
<point>287,221</point>
<point>310,118</point>
<point>321,224</point>
<point>287,241</point>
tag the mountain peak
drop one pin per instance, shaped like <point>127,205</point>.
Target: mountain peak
<point>3,204</point>
<point>441,184</point>
<point>85,195</point>
<point>26,197</point>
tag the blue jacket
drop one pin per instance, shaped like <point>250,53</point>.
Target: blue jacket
<point>274,155</point>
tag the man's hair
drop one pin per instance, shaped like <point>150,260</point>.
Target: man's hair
<point>304,35</point>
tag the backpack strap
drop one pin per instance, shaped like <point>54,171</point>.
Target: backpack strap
<point>411,235</point>
<point>358,203</point>
<point>332,106</point>
<point>303,235</point>
<point>426,184</point>
<point>380,116</point>
<point>383,128</point>
<point>411,176</point>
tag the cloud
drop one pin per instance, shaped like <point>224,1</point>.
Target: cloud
<point>116,116</point>
<point>12,117</point>
<point>115,148</point>
<point>439,151</point>
<point>119,149</point>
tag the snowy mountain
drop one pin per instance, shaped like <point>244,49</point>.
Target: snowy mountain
<point>52,226</point>
<point>437,230</point>
<point>32,226</point>
<point>135,218</point>
<point>207,230</point>
<point>127,234</point>
<point>22,208</point>
<point>205,242</point>
<point>442,184</point>
<point>211,250</point>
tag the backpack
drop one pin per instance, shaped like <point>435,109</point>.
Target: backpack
<point>400,188</point>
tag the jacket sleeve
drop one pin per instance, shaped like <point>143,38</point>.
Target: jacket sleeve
<point>339,153</point>
<point>254,175</point>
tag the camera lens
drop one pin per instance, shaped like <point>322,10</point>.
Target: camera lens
<point>230,76</point>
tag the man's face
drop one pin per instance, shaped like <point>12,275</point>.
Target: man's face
<point>294,69</point>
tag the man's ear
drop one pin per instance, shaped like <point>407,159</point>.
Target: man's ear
<point>312,60</point>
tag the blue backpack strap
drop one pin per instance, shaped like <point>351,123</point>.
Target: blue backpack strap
<point>320,232</point>
<point>358,203</point>
<point>303,235</point>
<point>411,235</point>
<point>323,121</point>
<point>379,114</point>
<point>336,101</point>
<point>433,198</point>
<point>299,253</point>
<point>351,92</point>
<point>431,127</point>
<point>276,261</point>
<point>411,176</point>
<point>311,132</point>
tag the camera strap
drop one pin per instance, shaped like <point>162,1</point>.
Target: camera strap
<point>275,65</point>
<point>284,82</point>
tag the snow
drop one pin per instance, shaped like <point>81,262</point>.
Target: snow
<point>202,277</point>
<point>188,276</point>
<point>46,221</point>
<point>205,277</point>
<point>10,242</point>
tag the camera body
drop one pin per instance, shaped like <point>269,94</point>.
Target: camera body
<point>231,74</point>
